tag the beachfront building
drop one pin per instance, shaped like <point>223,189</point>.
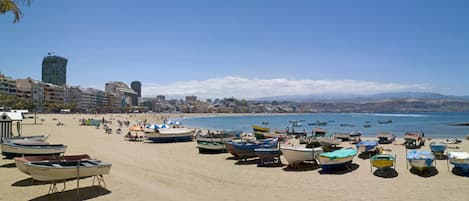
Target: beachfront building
<point>114,102</point>
<point>7,85</point>
<point>123,90</point>
<point>30,90</point>
<point>54,70</point>
<point>54,96</point>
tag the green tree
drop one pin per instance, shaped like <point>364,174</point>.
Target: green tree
<point>12,6</point>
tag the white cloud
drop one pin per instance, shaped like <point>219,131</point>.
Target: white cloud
<point>240,87</point>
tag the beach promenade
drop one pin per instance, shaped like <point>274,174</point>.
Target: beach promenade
<point>176,171</point>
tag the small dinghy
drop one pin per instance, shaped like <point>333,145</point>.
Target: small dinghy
<point>29,147</point>
<point>21,161</point>
<point>62,170</point>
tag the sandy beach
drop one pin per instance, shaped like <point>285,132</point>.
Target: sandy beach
<point>176,171</point>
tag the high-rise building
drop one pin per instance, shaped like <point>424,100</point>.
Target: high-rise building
<point>54,70</point>
<point>137,87</point>
<point>191,99</point>
<point>160,99</point>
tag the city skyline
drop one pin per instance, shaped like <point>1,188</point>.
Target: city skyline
<point>247,49</point>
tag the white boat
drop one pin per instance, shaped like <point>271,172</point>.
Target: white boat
<point>171,135</point>
<point>27,147</point>
<point>459,159</point>
<point>420,159</point>
<point>296,155</point>
<point>54,171</point>
<point>41,138</point>
<point>20,162</point>
<point>337,158</point>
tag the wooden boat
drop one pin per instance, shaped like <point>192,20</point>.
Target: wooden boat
<point>367,146</point>
<point>20,162</point>
<point>385,137</point>
<point>296,155</point>
<point>257,128</point>
<point>321,123</point>
<point>212,142</point>
<point>170,135</point>
<point>28,147</point>
<point>459,160</point>
<point>420,160</point>
<point>382,161</point>
<point>337,158</point>
<point>62,170</point>
<point>261,135</point>
<point>414,139</point>
<point>244,150</point>
<point>438,147</point>
<point>41,138</point>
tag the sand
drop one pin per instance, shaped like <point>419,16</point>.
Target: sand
<point>176,171</point>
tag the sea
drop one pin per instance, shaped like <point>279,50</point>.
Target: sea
<point>434,125</point>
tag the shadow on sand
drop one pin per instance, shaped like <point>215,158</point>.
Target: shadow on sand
<point>8,165</point>
<point>429,172</point>
<point>303,166</point>
<point>459,172</point>
<point>85,193</point>
<point>248,162</point>
<point>341,170</point>
<point>386,173</point>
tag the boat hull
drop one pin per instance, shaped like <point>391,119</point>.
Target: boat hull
<point>20,162</point>
<point>211,146</point>
<point>382,161</point>
<point>437,147</point>
<point>49,173</point>
<point>11,150</point>
<point>297,155</point>
<point>329,164</point>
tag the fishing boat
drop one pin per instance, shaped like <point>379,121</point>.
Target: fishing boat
<point>438,147</point>
<point>170,135</point>
<point>20,162</point>
<point>257,128</point>
<point>62,170</point>
<point>385,137</point>
<point>41,138</point>
<point>367,146</point>
<point>337,158</point>
<point>383,161</point>
<point>29,147</point>
<point>212,142</point>
<point>414,139</point>
<point>420,160</point>
<point>296,155</point>
<point>321,123</point>
<point>388,121</point>
<point>262,135</point>
<point>459,160</point>
<point>244,150</point>
<point>355,137</point>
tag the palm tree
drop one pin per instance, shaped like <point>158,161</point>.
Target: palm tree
<point>12,7</point>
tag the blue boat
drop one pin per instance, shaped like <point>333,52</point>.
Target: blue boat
<point>420,160</point>
<point>459,160</point>
<point>438,147</point>
<point>247,149</point>
<point>367,146</point>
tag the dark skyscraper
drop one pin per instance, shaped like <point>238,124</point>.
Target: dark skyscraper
<point>54,70</point>
<point>137,87</point>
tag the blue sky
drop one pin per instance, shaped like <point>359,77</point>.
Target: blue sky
<point>225,48</point>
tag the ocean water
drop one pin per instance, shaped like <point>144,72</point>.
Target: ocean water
<point>432,124</point>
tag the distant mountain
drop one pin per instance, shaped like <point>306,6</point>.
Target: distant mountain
<point>353,98</point>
